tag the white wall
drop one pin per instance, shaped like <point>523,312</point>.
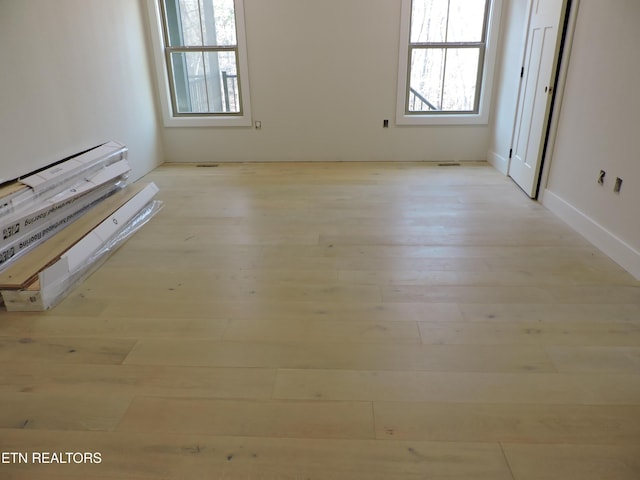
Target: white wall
<point>599,128</point>
<point>74,74</point>
<point>514,18</point>
<point>323,77</point>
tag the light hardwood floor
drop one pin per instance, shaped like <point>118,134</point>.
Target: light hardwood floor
<point>348,321</point>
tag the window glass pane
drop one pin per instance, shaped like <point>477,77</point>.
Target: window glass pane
<point>466,20</point>
<point>205,82</point>
<point>227,64</point>
<point>443,79</point>
<point>447,20</point>
<point>219,22</point>
<point>425,84</point>
<point>183,22</point>
<point>460,79</point>
<point>196,23</point>
<point>429,20</point>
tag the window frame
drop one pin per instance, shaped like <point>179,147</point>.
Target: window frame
<point>487,62</point>
<point>162,57</point>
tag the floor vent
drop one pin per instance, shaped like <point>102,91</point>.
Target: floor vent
<point>207,165</point>
<point>452,164</point>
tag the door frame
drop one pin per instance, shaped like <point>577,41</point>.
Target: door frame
<point>561,63</point>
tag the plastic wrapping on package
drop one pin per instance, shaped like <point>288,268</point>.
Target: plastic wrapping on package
<point>53,294</point>
<point>43,294</point>
<point>52,180</point>
<point>136,223</point>
<point>28,238</point>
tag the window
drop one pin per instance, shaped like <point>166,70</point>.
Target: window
<point>202,62</point>
<point>446,61</point>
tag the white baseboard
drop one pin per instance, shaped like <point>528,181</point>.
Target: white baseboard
<point>498,162</point>
<point>619,251</point>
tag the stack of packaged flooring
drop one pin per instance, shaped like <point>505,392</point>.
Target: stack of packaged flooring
<point>59,224</point>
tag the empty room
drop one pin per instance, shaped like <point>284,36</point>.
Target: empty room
<point>320,239</point>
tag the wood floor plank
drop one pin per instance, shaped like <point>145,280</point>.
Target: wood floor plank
<point>574,462</point>
<point>26,473</point>
<point>62,411</point>
<point>605,332</point>
<point>207,235</point>
<point>526,423</point>
<point>315,419</point>
<point>595,359</point>
<point>404,386</point>
<point>551,312</point>
<point>55,325</point>
<point>131,380</point>
<point>454,278</point>
<point>238,290</point>
<point>598,294</point>
<point>405,266</point>
<point>43,349</point>
<point>465,294</point>
<point>209,274</point>
<point>461,236</point>
<point>322,331</point>
<point>168,456</point>
<point>353,356</point>
<point>273,309</point>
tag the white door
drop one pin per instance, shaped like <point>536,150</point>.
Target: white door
<point>536,88</point>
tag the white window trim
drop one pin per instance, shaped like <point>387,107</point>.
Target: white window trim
<point>482,117</point>
<point>171,120</point>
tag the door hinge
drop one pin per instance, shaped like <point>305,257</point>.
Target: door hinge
<point>522,72</point>
<point>510,152</point>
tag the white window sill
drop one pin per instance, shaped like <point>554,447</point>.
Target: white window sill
<point>455,119</point>
<point>212,121</point>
